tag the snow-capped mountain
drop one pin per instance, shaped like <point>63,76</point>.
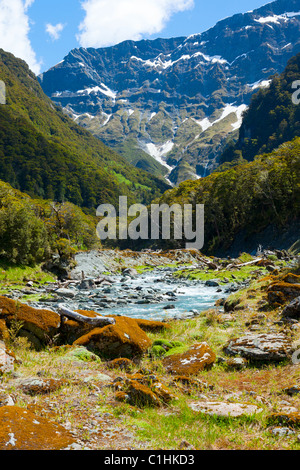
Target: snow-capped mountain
<point>170,105</point>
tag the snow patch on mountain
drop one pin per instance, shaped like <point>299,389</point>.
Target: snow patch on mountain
<point>259,84</point>
<point>277,18</point>
<point>227,110</point>
<point>239,114</point>
<point>205,124</point>
<point>157,151</point>
<point>107,118</point>
<point>158,63</point>
<point>99,89</point>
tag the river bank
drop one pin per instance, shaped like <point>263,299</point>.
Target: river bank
<point>221,375</point>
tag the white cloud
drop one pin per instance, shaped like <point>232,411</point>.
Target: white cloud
<point>109,22</point>
<point>54,30</point>
<point>14,30</point>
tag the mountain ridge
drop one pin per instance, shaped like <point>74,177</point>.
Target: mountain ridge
<point>47,155</point>
<point>159,102</point>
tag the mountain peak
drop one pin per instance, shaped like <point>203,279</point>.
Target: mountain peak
<point>165,103</point>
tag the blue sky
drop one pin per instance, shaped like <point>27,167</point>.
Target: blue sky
<point>42,32</point>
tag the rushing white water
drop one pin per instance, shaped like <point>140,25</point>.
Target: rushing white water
<point>185,296</point>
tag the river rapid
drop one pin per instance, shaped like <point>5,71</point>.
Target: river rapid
<point>154,295</point>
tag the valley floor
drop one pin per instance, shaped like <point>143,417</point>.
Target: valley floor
<point>225,378</point>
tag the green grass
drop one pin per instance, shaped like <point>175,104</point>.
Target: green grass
<point>168,430</point>
<point>223,276</point>
<point>15,277</point>
<point>19,273</point>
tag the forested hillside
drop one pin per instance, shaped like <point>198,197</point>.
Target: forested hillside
<point>271,119</point>
<point>247,197</point>
<point>47,155</point>
<point>33,230</point>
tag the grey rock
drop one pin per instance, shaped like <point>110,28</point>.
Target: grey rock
<point>282,431</point>
<point>260,347</point>
<point>212,283</point>
<point>292,310</point>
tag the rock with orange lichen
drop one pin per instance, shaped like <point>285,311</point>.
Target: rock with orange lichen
<point>7,359</point>
<point>292,310</point>
<point>40,385</point>
<point>122,396</point>
<point>41,323</point>
<point>191,382</point>
<point>162,392</point>
<point>121,363</point>
<point>152,325</point>
<point>20,429</point>
<point>123,339</point>
<point>141,395</point>
<point>198,358</point>
<point>143,390</point>
<point>72,330</point>
<point>285,418</point>
<point>291,278</point>
<point>284,289</point>
<point>4,333</point>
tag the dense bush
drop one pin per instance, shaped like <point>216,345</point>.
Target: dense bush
<point>246,197</point>
<point>33,230</point>
<point>271,119</point>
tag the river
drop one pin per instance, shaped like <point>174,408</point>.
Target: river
<point>155,295</point>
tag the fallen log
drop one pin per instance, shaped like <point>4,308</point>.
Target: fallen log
<point>94,321</point>
<point>243,264</point>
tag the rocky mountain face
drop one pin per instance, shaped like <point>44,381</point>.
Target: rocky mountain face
<point>171,105</point>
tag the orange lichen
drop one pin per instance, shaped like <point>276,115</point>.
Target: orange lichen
<point>72,329</point>
<point>123,339</point>
<point>281,292</point>
<point>39,321</point>
<point>141,395</point>
<point>291,278</point>
<point>20,429</point>
<point>196,359</point>
<point>38,386</point>
<point>190,382</point>
<point>121,396</point>
<point>88,313</point>
<point>162,392</point>
<point>4,333</point>
<point>142,391</point>
<point>292,419</point>
<point>152,325</point>
<point>121,363</point>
